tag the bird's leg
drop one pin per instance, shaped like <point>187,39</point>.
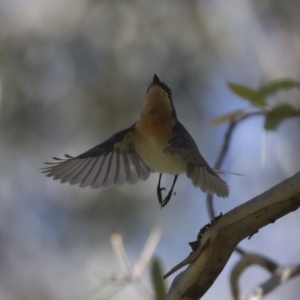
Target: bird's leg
<point>168,197</point>
<point>159,190</point>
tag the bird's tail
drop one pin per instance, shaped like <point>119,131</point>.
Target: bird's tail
<point>207,180</point>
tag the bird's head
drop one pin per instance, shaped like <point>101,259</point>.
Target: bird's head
<point>159,98</point>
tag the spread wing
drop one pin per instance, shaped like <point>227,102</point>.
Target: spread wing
<point>198,170</point>
<point>113,162</point>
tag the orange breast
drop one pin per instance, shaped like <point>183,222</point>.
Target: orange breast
<point>154,130</point>
<point>156,119</point>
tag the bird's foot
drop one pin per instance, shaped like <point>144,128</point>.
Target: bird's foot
<point>165,201</point>
<point>159,194</point>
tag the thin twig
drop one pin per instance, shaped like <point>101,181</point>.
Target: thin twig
<point>133,274</point>
<point>243,264</point>
<point>120,254</point>
<point>147,252</point>
<point>280,276</point>
<point>224,151</point>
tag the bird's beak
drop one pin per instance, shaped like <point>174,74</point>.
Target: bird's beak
<point>155,79</point>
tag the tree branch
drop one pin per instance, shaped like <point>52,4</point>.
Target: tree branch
<point>278,275</point>
<point>237,118</point>
<point>248,260</point>
<point>281,276</point>
<point>219,241</point>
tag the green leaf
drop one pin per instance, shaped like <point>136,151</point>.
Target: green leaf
<point>251,95</point>
<point>278,114</point>
<point>278,85</point>
<point>228,117</point>
<point>157,280</point>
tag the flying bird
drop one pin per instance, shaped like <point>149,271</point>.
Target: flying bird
<point>156,142</point>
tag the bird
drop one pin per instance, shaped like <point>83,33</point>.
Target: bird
<point>156,142</point>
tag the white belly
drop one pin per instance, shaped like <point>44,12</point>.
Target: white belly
<point>153,155</point>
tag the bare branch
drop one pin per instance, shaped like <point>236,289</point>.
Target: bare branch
<point>133,274</point>
<point>245,262</point>
<point>147,252</point>
<point>237,119</point>
<point>281,276</point>
<point>120,254</point>
<point>221,239</point>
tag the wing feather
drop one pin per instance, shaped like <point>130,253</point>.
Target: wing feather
<point>91,174</point>
<point>113,162</point>
<point>77,176</point>
<point>198,170</point>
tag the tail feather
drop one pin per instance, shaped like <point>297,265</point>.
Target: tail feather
<point>207,180</point>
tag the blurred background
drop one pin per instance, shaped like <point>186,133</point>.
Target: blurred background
<point>73,72</point>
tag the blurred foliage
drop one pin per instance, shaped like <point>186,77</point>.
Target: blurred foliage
<point>247,93</point>
<point>258,96</point>
<point>278,114</point>
<point>158,283</point>
<point>274,86</point>
<point>274,114</point>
